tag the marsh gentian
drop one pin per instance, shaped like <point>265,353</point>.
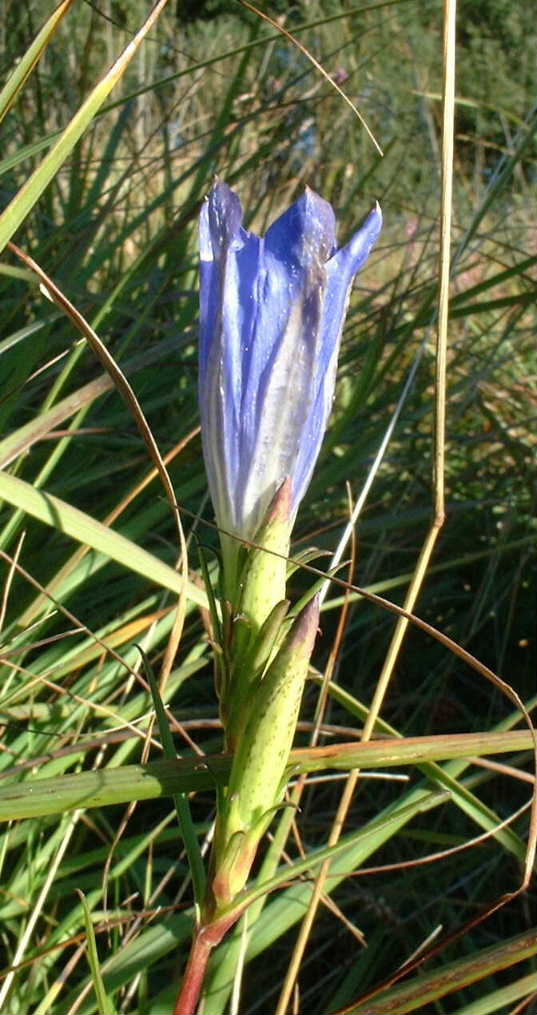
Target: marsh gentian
<point>272,311</point>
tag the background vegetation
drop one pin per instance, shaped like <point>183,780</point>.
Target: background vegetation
<point>214,90</point>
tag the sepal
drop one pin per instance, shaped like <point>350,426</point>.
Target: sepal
<point>256,782</point>
<point>249,669</point>
<point>263,578</point>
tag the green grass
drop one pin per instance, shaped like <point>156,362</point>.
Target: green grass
<point>116,228</point>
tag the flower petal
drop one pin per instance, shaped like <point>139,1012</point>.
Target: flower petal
<point>341,271</point>
<point>272,311</point>
<point>305,234</point>
<point>353,256</point>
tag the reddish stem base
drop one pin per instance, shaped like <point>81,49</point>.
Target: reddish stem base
<point>205,939</point>
<point>187,1002</point>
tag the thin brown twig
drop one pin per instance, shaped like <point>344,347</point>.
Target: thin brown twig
<point>318,66</point>
<point>126,391</point>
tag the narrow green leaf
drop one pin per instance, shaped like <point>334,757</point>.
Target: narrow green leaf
<point>29,59</point>
<point>182,805</point>
<point>499,1000</point>
<point>31,191</point>
<point>449,775</point>
<point>424,990</point>
<point>104,1003</point>
<point>38,797</point>
<point>85,529</point>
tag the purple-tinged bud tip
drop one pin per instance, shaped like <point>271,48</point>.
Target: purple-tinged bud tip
<point>305,627</point>
<point>280,507</point>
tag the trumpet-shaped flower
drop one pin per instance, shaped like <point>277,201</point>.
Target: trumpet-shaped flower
<point>272,311</point>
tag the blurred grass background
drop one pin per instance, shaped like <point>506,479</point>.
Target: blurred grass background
<point>213,90</point>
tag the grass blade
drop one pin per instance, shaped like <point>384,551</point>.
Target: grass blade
<point>88,530</point>
<point>174,775</point>
<point>182,805</point>
<point>29,194</point>
<point>104,1003</point>
<point>453,976</point>
<point>30,58</point>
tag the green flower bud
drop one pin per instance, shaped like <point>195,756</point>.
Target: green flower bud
<point>256,782</point>
<point>255,610</point>
<point>265,571</point>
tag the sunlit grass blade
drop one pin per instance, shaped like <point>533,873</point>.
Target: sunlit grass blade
<point>85,529</point>
<point>17,210</point>
<point>432,986</point>
<point>449,776</point>
<point>498,1000</point>
<point>24,437</point>
<point>30,58</point>
<point>165,778</point>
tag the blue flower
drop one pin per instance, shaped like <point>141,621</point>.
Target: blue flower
<point>272,311</point>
